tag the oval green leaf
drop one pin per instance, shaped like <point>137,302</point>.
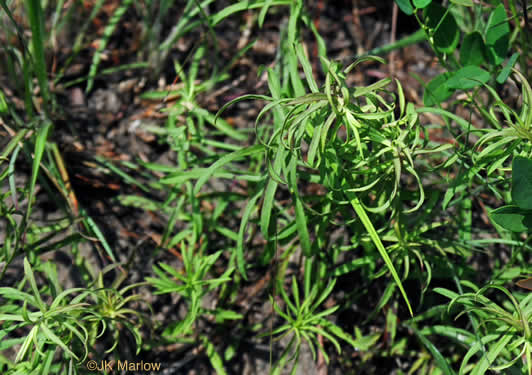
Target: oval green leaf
<point>443,26</point>
<point>512,218</point>
<point>498,35</point>
<point>472,50</point>
<point>522,182</point>
<point>437,90</point>
<point>468,77</point>
<point>405,6</point>
<point>421,4</point>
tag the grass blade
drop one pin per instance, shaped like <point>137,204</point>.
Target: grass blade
<point>109,29</point>
<point>35,14</point>
<point>40,144</point>
<point>359,209</point>
<point>438,357</point>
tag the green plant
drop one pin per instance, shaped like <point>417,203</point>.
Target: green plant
<point>62,325</point>
<point>113,309</point>
<point>503,338</point>
<point>377,148</point>
<point>517,217</point>
<point>337,187</point>
<point>485,37</point>
<point>302,321</point>
<point>192,284</point>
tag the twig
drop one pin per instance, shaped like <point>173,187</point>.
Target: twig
<point>525,34</point>
<point>357,28</point>
<point>322,365</point>
<point>392,38</point>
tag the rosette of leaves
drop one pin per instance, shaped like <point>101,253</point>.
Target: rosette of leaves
<point>303,321</point>
<point>517,217</point>
<point>350,133</point>
<point>113,308</point>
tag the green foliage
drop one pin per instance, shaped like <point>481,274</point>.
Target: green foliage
<point>113,308</point>
<point>503,342</point>
<point>70,323</point>
<point>55,326</point>
<point>437,90</point>
<point>339,200</point>
<point>485,42</point>
<point>302,321</point>
<point>498,35</point>
<point>192,284</point>
<point>518,217</point>
<point>473,50</point>
<point>109,29</point>
<point>442,28</point>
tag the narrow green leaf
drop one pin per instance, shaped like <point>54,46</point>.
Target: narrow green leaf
<point>12,144</point>
<point>301,218</point>
<point>26,345</point>
<point>107,32</point>
<point>351,266</point>
<point>47,363</point>
<point>438,357</point>
<point>489,358</point>
<point>3,103</point>
<point>248,151</point>
<point>307,68</point>
<point>12,293</point>
<point>242,6</point>
<point>264,11</point>
<point>40,143</point>
<point>465,3</point>
<point>359,209</point>
<point>91,225</point>
<point>36,18</point>
<point>220,124</point>
<point>56,340</point>
<point>28,272</point>
<point>269,194</point>
<point>214,357</point>
<point>505,72</point>
<point>240,260</point>
<point>11,174</point>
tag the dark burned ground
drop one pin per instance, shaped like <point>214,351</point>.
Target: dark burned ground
<point>105,122</point>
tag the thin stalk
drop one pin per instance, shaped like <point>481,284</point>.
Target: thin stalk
<point>525,38</point>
